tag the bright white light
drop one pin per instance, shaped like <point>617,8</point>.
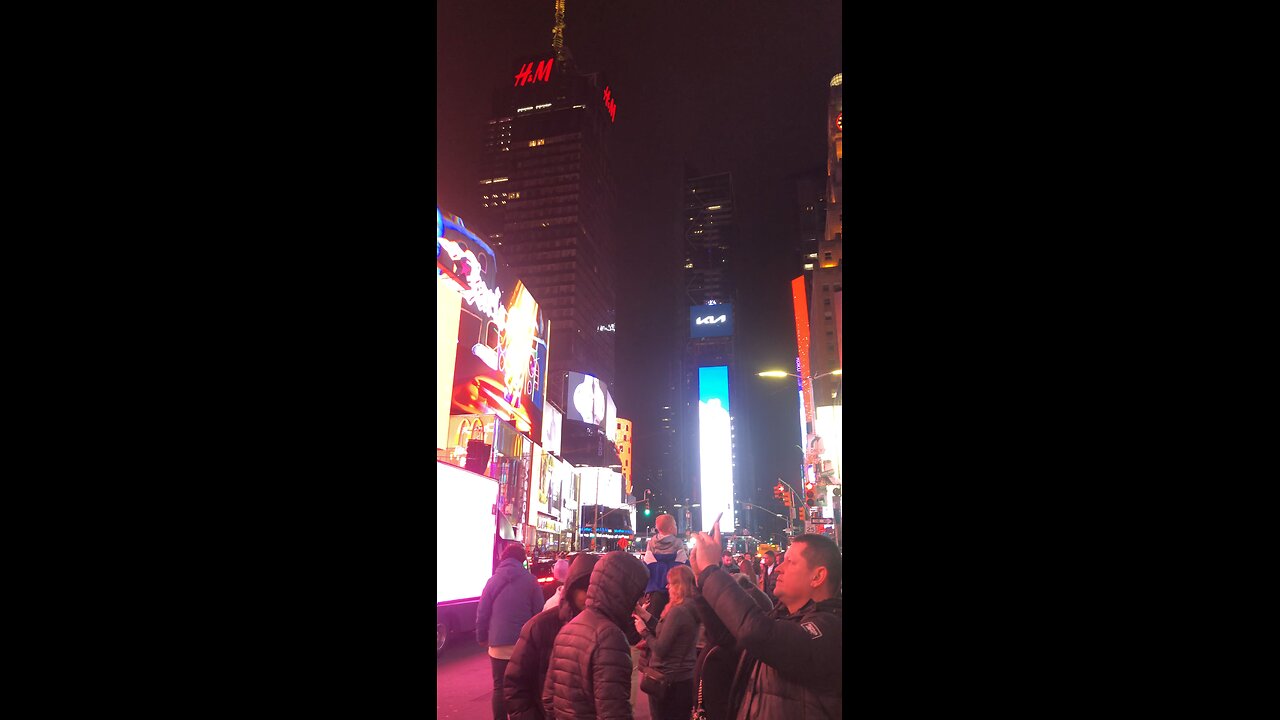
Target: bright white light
<point>715,447</point>
<point>464,532</point>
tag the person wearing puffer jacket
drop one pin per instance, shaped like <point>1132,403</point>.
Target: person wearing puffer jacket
<point>589,675</point>
<point>666,550</point>
<point>509,599</point>
<point>527,672</point>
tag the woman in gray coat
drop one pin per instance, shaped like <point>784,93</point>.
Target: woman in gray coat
<point>673,647</point>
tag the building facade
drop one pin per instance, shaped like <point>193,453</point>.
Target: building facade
<point>826,349</point>
<point>548,202</point>
<point>708,374</point>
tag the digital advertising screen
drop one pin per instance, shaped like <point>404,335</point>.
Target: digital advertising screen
<point>715,447</point>
<point>552,429</point>
<point>501,356</point>
<point>448,314</point>
<point>710,321</point>
<point>599,486</point>
<point>610,418</point>
<point>588,399</point>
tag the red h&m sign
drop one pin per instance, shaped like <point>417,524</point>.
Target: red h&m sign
<point>610,105</point>
<point>528,75</point>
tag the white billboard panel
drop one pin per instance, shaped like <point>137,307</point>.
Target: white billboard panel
<point>465,530</point>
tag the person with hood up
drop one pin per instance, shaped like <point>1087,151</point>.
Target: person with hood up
<point>589,674</point>
<point>666,550</point>
<point>559,571</point>
<point>789,662</point>
<point>528,669</point>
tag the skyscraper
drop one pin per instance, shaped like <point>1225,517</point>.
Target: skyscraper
<point>708,379</point>
<point>709,235</point>
<point>826,350</point>
<point>548,201</point>
<point>811,204</point>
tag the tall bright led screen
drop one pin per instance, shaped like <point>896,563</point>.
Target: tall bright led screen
<point>715,447</point>
<point>464,524</point>
<point>501,361</point>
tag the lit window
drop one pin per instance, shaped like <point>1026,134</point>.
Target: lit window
<point>808,266</point>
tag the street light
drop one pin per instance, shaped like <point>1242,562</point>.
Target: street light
<point>807,411</point>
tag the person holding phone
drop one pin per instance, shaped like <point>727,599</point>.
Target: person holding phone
<point>672,649</point>
<point>787,660</point>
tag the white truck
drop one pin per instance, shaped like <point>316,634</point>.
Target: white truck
<point>470,535</point>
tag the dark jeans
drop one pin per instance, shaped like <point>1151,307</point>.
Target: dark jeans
<point>677,705</point>
<point>500,702</point>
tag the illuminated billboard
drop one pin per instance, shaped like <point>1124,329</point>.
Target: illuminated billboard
<point>600,486</point>
<point>589,401</point>
<point>448,315</point>
<point>551,428</point>
<point>501,355</point>
<point>715,447</point>
<point>710,320</point>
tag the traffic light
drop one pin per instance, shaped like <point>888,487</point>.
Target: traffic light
<point>803,513</point>
<point>646,512</point>
<point>786,499</point>
<point>777,491</point>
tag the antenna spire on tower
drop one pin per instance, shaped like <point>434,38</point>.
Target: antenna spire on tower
<point>557,32</point>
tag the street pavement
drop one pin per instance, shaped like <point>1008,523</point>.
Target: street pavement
<point>464,682</point>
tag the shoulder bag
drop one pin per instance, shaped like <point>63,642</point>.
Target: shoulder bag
<point>654,683</point>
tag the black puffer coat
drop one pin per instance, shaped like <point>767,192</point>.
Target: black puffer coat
<point>589,677</point>
<point>789,665</point>
<point>522,686</point>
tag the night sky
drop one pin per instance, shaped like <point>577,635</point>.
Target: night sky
<point>722,86</point>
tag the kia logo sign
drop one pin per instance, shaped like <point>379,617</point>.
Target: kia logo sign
<point>714,321</point>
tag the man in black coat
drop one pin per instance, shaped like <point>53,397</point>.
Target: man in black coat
<point>528,669</point>
<point>788,658</point>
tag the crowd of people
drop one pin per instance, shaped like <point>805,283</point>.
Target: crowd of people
<point>699,632</point>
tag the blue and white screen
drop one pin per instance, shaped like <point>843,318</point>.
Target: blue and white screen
<point>715,447</point>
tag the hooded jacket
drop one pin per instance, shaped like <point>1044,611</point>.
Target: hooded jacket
<point>589,675</point>
<point>510,598</point>
<point>664,553</point>
<point>787,664</point>
<point>522,686</point>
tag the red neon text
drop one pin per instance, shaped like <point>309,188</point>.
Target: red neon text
<point>610,105</point>
<point>527,74</point>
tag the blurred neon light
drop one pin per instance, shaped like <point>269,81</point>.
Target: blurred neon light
<point>528,75</point>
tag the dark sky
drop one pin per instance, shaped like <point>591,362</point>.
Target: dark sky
<point>723,86</point>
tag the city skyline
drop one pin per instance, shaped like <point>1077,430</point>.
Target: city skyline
<point>654,91</point>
